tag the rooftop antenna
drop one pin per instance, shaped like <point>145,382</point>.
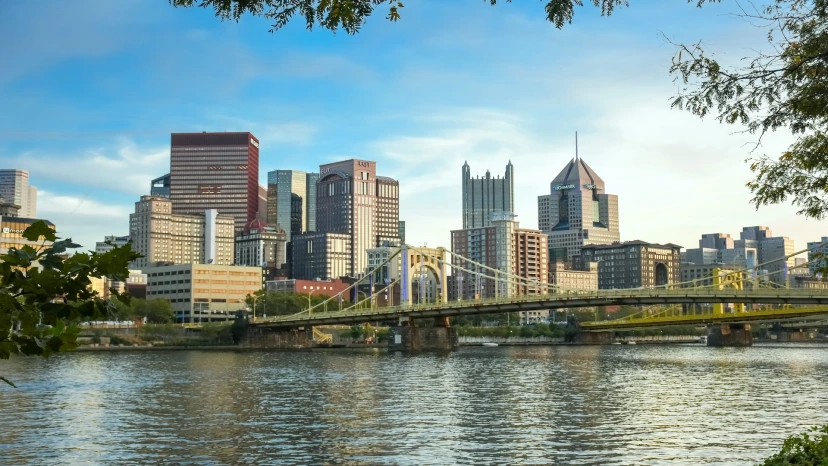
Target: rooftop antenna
<point>576,146</point>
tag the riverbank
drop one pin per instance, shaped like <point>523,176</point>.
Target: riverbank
<point>157,348</point>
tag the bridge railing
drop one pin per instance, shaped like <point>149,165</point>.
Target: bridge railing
<point>730,295</point>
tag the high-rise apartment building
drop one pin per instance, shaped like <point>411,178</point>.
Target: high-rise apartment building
<point>484,195</point>
<point>530,252</point>
<point>160,235</point>
<point>217,171</point>
<point>15,189</point>
<point>291,201</point>
<point>634,264</point>
<point>160,187</point>
<point>352,200</point>
<point>506,247</point>
<point>577,212</point>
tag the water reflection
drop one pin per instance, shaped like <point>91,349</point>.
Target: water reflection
<point>505,405</point>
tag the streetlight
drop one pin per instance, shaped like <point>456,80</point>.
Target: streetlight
<point>256,298</point>
<point>310,311</point>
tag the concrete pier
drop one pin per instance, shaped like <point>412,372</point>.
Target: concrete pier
<point>793,336</point>
<point>279,338</point>
<point>407,338</point>
<point>595,338</point>
<point>735,335</point>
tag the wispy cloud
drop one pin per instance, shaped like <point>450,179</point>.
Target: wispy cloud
<point>82,217</point>
<point>125,167</point>
<point>272,133</point>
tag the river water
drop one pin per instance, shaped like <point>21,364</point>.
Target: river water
<point>504,405</point>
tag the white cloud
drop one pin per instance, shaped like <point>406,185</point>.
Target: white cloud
<point>83,218</point>
<point>676,176</point>
<point>125,168</point>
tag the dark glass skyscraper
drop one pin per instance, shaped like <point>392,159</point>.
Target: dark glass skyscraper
<point>215,171</point>
<point>291,201</point>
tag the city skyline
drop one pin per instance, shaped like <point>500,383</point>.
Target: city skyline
<point>659,161</point>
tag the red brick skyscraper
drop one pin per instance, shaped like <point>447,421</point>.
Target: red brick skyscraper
<point>215,171</point>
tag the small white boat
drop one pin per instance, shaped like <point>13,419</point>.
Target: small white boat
<point>489,344</point>
<point>631,342</point>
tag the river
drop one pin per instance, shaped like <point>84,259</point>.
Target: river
<point>501,405</point>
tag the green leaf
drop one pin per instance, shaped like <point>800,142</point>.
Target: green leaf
<point>37,230</point>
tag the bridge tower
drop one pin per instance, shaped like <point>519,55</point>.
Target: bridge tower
<point>411,263</point>
<point>727,279</point>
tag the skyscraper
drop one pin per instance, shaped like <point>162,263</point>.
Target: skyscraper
<point>160,235</point>
<point>15,189</point>
<point>817,253</point>
<point>770,248</point>
<point>351,199</point>
<point>482,196</point>
<point>215,171</point>
<point>577,211</point>
<point>291,201</point>
<point>503,246</point>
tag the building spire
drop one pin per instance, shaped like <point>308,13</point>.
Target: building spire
<point>576,146</point>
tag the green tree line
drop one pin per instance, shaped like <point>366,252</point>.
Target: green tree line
<point>280,303</point>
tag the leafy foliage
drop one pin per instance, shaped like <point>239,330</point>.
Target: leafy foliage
<point>43,291</point>
<point>787,88</point>
<point>350,15</point>
<point>278,304</point>
<point>804,449</point>
<point>156,311</point>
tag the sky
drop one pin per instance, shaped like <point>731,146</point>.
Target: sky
<point>92,89</point>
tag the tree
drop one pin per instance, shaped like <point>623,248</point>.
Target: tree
<point>123,311</point>
<point>350,15</point>
<point>44,292</point>
<point>278,304</point>
<point>803,449</point>
<point>787,88</point>
<point>156,311</point>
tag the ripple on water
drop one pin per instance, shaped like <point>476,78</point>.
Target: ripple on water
<point>518,405</point>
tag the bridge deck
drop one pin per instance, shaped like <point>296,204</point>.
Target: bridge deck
<point>560,301</point>
<point>764,315</point>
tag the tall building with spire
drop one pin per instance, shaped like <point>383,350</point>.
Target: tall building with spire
<point>482,196</point>
<point>577,211</point>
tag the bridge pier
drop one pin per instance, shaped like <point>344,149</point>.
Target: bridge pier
<point>786,336</point>
<point>410,338</point>
<point>735,335</point>
<point>267,338</point>
<point>595,338</point>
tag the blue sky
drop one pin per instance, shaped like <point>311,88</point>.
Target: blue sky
<point>91,90</point>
